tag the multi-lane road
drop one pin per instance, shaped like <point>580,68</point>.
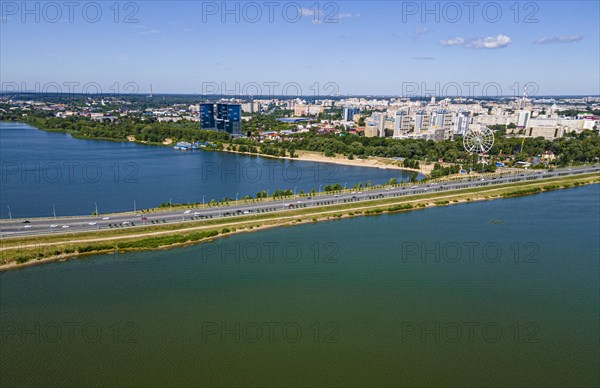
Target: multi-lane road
<point>44,226</point>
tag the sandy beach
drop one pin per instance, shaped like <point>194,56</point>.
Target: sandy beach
<point>373,162</point>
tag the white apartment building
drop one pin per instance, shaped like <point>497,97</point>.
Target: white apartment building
<point>461,124</point>
<point>402,124</point>
<point>522,118</point>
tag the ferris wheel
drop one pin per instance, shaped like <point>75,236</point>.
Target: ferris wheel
<point>478,141</point>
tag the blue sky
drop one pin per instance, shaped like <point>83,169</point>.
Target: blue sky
<point>375,47</point>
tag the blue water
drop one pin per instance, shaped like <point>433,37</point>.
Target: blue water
<point>40,169</point>
<point>381,301</point>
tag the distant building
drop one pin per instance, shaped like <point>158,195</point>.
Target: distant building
<point>226,117</point>
<point>441,119</point>
<point>307,110</point>
<point>251,107</point>
<point>370,131</point>
<point>402,124</point>
<point>547,132</point>
<point>461,124</point>
<point>229,118</point>
<point>349,112</point>
<point>377,122</point>
<point>422,118</point>
<point>207,116</point>
<point>523,118</point>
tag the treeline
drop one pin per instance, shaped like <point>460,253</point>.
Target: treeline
<point>573,113</point>
<point>146,131</point>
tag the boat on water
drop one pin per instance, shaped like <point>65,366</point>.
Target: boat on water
<point>185,146</point>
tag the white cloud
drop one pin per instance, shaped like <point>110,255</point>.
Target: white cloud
<point>558,39</point>
<point>324,16</point>
<point>423,58</point>
<point>453,42</point>
<point>146,30</point>
<point>307,12</point>
<point>491,42</point>
<point>422,30</point>
<point>499,41</point>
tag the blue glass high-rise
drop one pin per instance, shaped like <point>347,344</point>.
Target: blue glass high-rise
<point>229,118</point>
<point>207,116</point>
<point>226,117</point>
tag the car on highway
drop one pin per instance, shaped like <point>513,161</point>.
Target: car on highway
<point>187,212</point>
<point>92,223</point>
<point>125,223</point>
<point>196,213</point>
<point>106,218</point>
<point>26,222</point>
<point>65,226</point>
<point>27,226</point>
<point>54,226</point>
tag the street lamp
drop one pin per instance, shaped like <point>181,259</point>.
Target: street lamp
<point>96,204</point>
<point>236,197</point>
<point>9,213</point>
<point>295,192</point>
<point>54,211</point>
<point>203,202</point>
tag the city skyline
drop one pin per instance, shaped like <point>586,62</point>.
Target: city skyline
<point>345,48</point>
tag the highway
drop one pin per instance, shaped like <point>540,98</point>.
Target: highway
<point>46,226</point>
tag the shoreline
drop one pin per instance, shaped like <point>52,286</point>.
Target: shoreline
<point>339,159</point>
<point>327,213</point>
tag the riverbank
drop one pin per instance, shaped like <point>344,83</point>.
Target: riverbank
<point>19,252</point>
